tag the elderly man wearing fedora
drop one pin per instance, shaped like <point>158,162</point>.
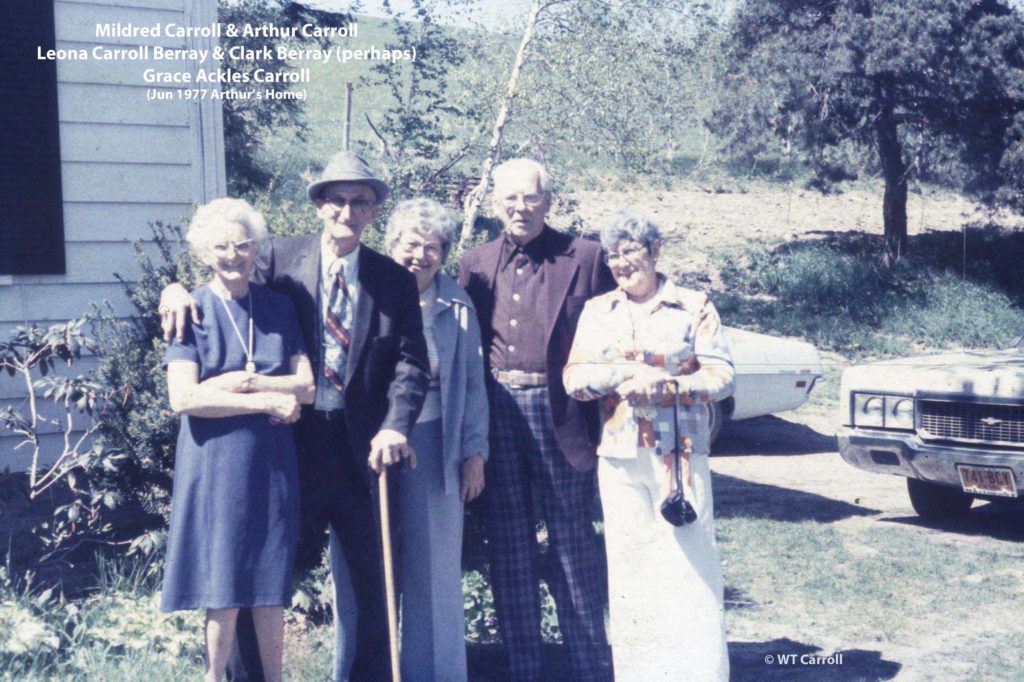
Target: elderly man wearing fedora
<point>359,314</point>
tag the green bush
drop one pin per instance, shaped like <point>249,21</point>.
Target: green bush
<point>141,424</point>
<point>837,295</point>
<point>45,636</point>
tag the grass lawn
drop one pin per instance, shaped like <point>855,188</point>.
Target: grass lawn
<point>877,592</point>
<point>893,597</point>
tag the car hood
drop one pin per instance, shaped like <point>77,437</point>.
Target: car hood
<point>995,373</point>
<point>754,353</point>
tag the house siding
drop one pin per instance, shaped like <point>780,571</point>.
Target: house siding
<point>125,163</point>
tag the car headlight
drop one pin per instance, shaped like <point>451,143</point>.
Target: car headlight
<point>868,410</point>
<point>883,411</point>
<point>899,413</point>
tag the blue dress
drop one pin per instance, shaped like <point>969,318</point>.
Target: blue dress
<point>235,507</point>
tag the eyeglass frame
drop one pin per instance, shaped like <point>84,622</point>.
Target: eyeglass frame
<point>411,249</point>
<point>357,204</point>
<point>244,247</point>
<point>632,255</point>
<point>531,201</point>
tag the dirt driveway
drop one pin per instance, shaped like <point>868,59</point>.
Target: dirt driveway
<point>786,468</point>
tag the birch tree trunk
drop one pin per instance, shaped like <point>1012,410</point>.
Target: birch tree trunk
<point>471,207</point>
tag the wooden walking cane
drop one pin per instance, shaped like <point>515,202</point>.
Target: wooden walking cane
<point>389,572</point>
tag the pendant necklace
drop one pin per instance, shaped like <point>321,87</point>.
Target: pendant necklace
<point>250,366</point>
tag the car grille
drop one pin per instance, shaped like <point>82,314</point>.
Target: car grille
<point>972,422</point>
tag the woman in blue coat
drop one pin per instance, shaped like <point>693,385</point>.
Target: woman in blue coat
<point>450,441</point>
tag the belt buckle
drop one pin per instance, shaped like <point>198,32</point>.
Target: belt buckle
<point>514,376</point>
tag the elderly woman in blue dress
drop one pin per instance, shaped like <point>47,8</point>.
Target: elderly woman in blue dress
<point>654,355</point>
<point>450,441</point>
<point>238,378</point>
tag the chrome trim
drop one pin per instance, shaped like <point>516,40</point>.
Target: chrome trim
<point>962,423</point>
<point>917,459</point>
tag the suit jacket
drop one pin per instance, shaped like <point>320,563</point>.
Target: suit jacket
<point>573,273</point>
<point>387,372</point>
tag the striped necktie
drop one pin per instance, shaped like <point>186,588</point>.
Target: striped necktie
<point>336,337</point>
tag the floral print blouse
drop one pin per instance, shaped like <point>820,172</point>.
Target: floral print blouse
<point>679,331</point>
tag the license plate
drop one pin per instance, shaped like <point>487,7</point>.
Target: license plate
<point>987,480</point>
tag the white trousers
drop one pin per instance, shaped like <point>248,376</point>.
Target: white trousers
<point>667,619</point>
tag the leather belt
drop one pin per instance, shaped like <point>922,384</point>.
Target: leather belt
<point>515,378</point>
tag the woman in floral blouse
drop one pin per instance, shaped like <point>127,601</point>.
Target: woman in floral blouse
<point>636,350</point>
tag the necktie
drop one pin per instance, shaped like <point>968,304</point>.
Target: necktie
<point>336,338</point>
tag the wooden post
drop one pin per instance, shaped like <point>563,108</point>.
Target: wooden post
<point>348,116</point>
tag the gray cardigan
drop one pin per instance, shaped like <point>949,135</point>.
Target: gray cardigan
<point>464,410</point>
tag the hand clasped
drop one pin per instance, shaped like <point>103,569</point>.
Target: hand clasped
<point>390,447</point>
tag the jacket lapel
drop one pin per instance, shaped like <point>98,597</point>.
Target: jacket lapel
<point>445,322</point>
<point>560,271</point>
<point>364,306</point>
<point>307,267</point>
<point>489,260</point>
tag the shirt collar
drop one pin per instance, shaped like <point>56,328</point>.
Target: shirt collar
<point>349,263</point>
<point>535,249</point>
<point>668,294</point>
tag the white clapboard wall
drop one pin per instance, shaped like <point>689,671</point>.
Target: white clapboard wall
<point>125,162</point>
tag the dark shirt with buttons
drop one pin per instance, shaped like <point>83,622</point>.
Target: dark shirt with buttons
<point>519,336</point>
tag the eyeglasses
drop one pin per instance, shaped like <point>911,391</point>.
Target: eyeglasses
<point>529,200</point>
<point>430,249</point>
<point>243,248</point>
<point>342,202</point>
<point>631,253</point>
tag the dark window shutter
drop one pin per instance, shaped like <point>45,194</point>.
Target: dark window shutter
<point>31,202</point>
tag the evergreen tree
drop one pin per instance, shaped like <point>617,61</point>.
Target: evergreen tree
<point>931,88</point>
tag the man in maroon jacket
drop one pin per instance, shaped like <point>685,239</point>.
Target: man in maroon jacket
<point>529,286</point>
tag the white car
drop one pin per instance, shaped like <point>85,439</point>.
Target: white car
<point>772,375</point>
<point>953,424</point>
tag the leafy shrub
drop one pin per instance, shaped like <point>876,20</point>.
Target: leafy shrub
<point>478,605</point>
<point>123,623</point>
<point>482,621</point>
<point>835,294</point>
<point>116,488</point>
<point>142,425</point>
<point>53,401</point>
<point>45,636</point>
<point>23,632</point>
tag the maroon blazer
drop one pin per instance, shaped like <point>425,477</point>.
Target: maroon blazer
<point>574,272</point>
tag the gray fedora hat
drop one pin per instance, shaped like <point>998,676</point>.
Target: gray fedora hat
<point>348,167</point>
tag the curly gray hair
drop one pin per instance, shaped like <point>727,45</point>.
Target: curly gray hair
<point>628,226</point>
<point>423,216</point>
<point>210,220</point>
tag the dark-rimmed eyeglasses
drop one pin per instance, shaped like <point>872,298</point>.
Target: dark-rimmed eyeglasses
<point>341,202</point>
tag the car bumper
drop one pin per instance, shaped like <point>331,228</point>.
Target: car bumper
<point>904,454</point>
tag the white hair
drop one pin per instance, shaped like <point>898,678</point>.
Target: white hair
<point>515,165</point>
<point>420,215</point>
<point>211,220</point>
